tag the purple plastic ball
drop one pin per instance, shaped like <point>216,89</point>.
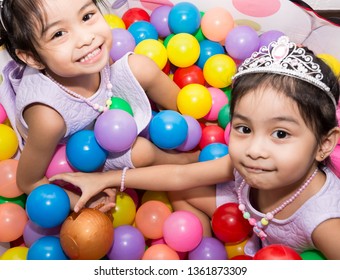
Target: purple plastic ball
<point>241,42</point>
<point>270,36</point>
<point>159,19</point>
<point>128,244</point>
<point>194,134</point>
<point>122,43</point>
<point>115,130</point>
<point>209,248</point>
<point>33,232</point>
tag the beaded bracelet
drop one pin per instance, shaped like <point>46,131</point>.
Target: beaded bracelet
<point>122,182</point>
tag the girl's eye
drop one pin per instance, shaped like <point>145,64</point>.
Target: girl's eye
<point>243,129</point>
<point>280,134</point>
<point>57,34</point>
<point>88,16</point>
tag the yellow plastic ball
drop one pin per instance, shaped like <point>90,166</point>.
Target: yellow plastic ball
<point>194,100</point>
<point>114,21</point>
<point>157,195</point>
<point>8,142</point>
<point>236,249</point>
<point>183,50</point>
<point>124,212</point>
<point>218,70</point>
<point>154,49</point>
<point>331,61</point>
<point>15,253</point>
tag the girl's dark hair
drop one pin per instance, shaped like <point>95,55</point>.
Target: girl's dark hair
<point>20,20</point>
<point>315,106</point>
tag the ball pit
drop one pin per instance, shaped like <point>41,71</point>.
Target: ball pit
<point>178,44</point>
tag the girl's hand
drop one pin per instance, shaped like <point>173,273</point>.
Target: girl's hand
<point>90,184</point>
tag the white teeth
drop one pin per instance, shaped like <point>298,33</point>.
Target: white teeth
<point>90,55</point>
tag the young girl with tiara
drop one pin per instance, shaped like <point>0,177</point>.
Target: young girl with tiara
<point>60,80</point>
<point>283,130</point>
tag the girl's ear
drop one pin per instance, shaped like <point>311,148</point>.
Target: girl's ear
<point>328,144</point>
<point>29,59</point>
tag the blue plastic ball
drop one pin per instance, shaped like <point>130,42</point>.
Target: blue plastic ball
<point>48,206</point>
<point>84,153</point>
<point>184,17</point>
<point>213,151</point>
<point>142,30</point>
<point>168,129</point>
<point>46,248</point>
<point>208,49</point>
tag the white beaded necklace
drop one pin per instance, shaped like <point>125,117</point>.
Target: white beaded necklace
<point>258,226</point>
<point>95,106</point>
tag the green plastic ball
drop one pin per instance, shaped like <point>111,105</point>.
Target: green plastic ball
<point>119,103</point>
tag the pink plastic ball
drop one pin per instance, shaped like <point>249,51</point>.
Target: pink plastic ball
<point>3,114</point>
<point>182,231</point>
<point>219,99</point>
<point>227,134</point>
<point>59,163</point>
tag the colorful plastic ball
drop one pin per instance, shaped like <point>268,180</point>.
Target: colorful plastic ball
<point>219,99</point>
<point>211,134</point>
<point>269,36</point>
<point>159,18</point>
<point>133,15</point>
<point>183,50</point>
<point>20,200</point>
<point>124,212</point>
<point>241,42</point>
<point>153,49</point>
<point>157,195</point>
<point>184,17</point>
<point>142,30</point>
<point>241,257</point>
<point>208,48</point>
<point>115,130</point>
<point>13,219</point>
<point>84,153</point>
<point>188,75</point>
<point>218,70</point>
<point>122,43</point>
<point>213,151</point>
<point>182,231</point>
<point>194,100</point>
<point>312,255</point>
<point>134,195</point>
<point>194,135</point>
<point>114,21</point>
<point>229,225</point>
<point>168,129</point>
<point>15,253</point>
<point>48,205</point>
<point>277,252</point>
<point>46,248</point>
<point>87,235</point>
<point>216,23</point>
<point>160,252</point>
<point>209,248</point>
<point>8,142</point>
<point>128,244</point>
<point>237,249</point>
<point>150,218</point>
<point>167,39</point>
<point>223,117</point>
<point>120,103</point>
<point>227,133</point>
<point>3,114</point>
<point>8,182</point>
<point>59,163</point>
<point>33,232</point>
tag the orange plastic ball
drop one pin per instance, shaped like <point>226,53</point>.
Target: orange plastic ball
<point>87,235</point>
<point>160,252</point>
<point>8,182</point>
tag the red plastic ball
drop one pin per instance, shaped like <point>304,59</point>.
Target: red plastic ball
<point>277,252</point>
<point>189,75</point>
<point>241,257</point>
<point>229,225</point>
<point>135,14</point>
<point>211,134</point>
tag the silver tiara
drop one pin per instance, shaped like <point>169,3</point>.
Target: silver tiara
<point>285,58</point>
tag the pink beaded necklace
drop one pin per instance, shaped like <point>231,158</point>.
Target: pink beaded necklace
<point>95,106</point>
<point>258,226</point>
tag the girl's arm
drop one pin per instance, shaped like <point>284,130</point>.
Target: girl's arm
<point>157,85</point>
<point>161,178</point>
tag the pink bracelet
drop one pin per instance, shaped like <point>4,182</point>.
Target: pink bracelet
<point>122,182</point>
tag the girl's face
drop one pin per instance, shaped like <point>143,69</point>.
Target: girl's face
<point>76,40</point>
<point>270,144</point>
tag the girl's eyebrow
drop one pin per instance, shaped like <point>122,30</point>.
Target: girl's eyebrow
<point>275,119</point>
<point>50,25</point>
